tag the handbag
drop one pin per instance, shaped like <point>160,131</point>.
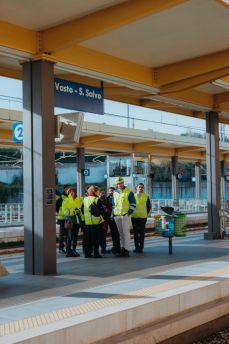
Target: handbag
<point>94,210</point>
<point>68,224</point>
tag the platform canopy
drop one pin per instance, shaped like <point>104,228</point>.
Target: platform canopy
<point>100,138</point>
<point>171,55</point>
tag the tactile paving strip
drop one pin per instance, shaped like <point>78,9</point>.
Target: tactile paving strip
<point>68,312</point>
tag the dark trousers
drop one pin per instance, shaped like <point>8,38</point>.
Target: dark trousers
<point>72,237</point>
<point>139,231</point>
<point>103,236</point>
<point>114,235</point>
<point>62,234</point>
<point>92,235</point>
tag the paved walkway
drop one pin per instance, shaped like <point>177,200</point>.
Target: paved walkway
<point>85,290</point>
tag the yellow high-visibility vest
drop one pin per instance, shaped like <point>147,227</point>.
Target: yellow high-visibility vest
<point>141,208</point>
<point>88,217</point>
<point>70,207</point>
<point>121,202</point>
<point>61,215</point>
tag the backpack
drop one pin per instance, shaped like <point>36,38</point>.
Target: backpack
<point>94,210</point>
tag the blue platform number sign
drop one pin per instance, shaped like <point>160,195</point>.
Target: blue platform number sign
<point>17,131</point>
<point>86,172</point>
<point>79,97</point>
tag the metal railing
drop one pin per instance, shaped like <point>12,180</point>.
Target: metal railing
<point>13,214</point>
<point>163,122</point>
<point>183,205</point>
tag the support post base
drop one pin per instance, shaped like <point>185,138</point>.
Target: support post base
<point>212,236</point>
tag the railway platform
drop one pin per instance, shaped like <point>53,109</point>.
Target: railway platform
<point>148,298</point>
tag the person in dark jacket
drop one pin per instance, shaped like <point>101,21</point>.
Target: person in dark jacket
<point>139,217</point>
<point>106,206</point>
<point>112,224</point>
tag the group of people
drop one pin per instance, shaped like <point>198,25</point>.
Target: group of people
<point>96,213</point>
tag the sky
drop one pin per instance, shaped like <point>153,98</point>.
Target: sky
<point>115,113</point>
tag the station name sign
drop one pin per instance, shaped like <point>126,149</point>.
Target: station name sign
<point>79,97</point>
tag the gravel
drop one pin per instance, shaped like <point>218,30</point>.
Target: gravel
<point>221,337</point>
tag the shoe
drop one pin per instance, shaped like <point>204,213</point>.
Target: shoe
<point>105,251</point>
<point>70,254</point>
<point>136,250</point>
<point>62,250</point>
<point>126,253</point>
<point>88,256</point>
<point>122,253</point>
<point>98,256</point>
<point>115,252</point>
<point>119,254</point>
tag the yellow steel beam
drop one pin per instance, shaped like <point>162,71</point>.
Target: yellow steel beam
<point>7,143</point>
<point>85,140</point>
<point>221,98</point>
<point>105,64</point>
<point>187,149</point>
<point>107,145</point>
<point>146,144</point>
<point>192,67</point>
<point>159,150</point>
<point>101,22</point>
<point>199,114</point>
<point>17,37</point>
<point>225,157</point>
<point>5,134</point>
<point>193,154</point>
<point>194,97</point>
<point>80,79</point>
<point>11,73</point>
<point>194,81</point>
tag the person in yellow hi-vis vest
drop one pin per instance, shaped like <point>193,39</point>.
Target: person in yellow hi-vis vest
<point>124,204</point>
<point>139,217</point>
<point>94,215</point>
<point>72,210</point>
<point>61,217</point>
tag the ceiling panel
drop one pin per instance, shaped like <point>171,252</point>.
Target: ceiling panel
<point>42,14</point>
<point>170,36</point>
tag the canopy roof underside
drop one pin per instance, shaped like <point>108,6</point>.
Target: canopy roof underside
<point>169,55</point>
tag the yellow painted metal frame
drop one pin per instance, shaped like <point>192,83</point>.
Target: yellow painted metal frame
<point>176,81</point>
<point>98,23</point>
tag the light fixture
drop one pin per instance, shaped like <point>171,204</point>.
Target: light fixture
<point>221,83</point>
<point>179,103</point>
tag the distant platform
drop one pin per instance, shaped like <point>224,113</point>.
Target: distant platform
<point>16,233</point>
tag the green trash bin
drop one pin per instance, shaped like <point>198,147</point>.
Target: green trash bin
<point>180,225</point>
<point>157,224</point>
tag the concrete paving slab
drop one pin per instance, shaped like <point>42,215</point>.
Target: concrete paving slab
<point>95,299</point>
